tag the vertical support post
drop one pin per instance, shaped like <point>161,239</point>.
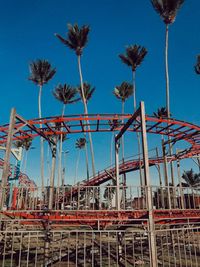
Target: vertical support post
<point>117,173</point>
<point>6,165</point>
<point>51,193</point>
<point>152,239</point>
<point>180,184</point>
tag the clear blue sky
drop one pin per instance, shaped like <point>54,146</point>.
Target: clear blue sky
<point>27,33</point>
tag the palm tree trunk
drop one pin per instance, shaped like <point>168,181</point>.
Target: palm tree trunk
<point>77,163</point>
<point>86,113</point>
<point>87,164</point>
<point>122,135</point>
<point>168,96</point>
<point>167,71</point>
<point>111,147</point>
<point>60,152</point>
<point>138,135</point>
<point>41,139</point>
<point>124,175</point>
<point>52,178</point>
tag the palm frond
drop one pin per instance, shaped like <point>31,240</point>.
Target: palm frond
<point>41,72</point>
<point>66,94</point>
<point>80,143</point>
<point>76,39</point>
<point>191,178</point>
<point>161,113</point>
<point>197,66</point>
<point>88,91</point>
<point>133,56</point>
<point>167,9</point>
<point>123,91</point>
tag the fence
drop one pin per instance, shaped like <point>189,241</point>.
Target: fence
<point>101,198</point>
<point>175,245</point>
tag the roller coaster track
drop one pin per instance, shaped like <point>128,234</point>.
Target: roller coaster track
<point>23,178</point>
<point>74,124</point>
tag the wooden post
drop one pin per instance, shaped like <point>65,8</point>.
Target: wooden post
<point>152,239</point>
<point>117,174</point>
<point>6,165</point>
<point>51,193</point>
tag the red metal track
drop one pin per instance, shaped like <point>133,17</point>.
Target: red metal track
<point>23,178</point>
<point>177,130</point>
<point>103,217</point>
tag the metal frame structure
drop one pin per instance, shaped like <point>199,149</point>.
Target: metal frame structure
<point>166,223</point>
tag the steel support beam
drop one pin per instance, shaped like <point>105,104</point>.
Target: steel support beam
<point>152,240</point>
<point>6,165</point>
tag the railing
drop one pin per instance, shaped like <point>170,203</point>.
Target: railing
<point>99,198</point>
<point>175,246</point>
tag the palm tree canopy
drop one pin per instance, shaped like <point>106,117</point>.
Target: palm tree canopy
<point>123,91</point>
<point>41,72</point>
<point>197,66</point>
<point>167,9</point>
<point>134,56</point>
<point>115,123</point>
<point>161,113</point>
<point>66,94</point>
<point>24,143</point>
<point>88,91</point>
<point>192,179</point>
<point>58,127</point>
<point>76,39</point>
<point>80,143</point>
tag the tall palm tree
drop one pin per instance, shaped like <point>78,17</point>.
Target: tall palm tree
<point>66,94</point>
<point>133,58</point>
<point>76,40</point>
<point>197,70</point>
<point>191,179</point>
<point>41,72</point>
<point>167,9</point>
<point>123,92</point>
<point>197,66</point>
<point>80,144</point>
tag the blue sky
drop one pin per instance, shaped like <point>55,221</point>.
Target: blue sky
<point>27,33</point>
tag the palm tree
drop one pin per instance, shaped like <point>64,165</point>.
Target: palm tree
<point>197,70</point>
<point>88,91</point>
<point>167,9</point>
<point>197,66</point>
<point>133,58</point>
<point>191,179</point>
<point>66,95</point>
<point>41,72</point>
<point>25,144</point>
<point>76,40</point>
<point>115,123</point>
<point>80,144</point>
<point>123,92</point>
<point>161,113</point>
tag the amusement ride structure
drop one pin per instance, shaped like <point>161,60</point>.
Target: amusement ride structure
<point>139,211</point>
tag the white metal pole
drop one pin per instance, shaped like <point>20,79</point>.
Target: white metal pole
<point>152,239</point>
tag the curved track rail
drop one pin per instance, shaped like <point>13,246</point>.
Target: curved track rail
<point>176,129</point>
